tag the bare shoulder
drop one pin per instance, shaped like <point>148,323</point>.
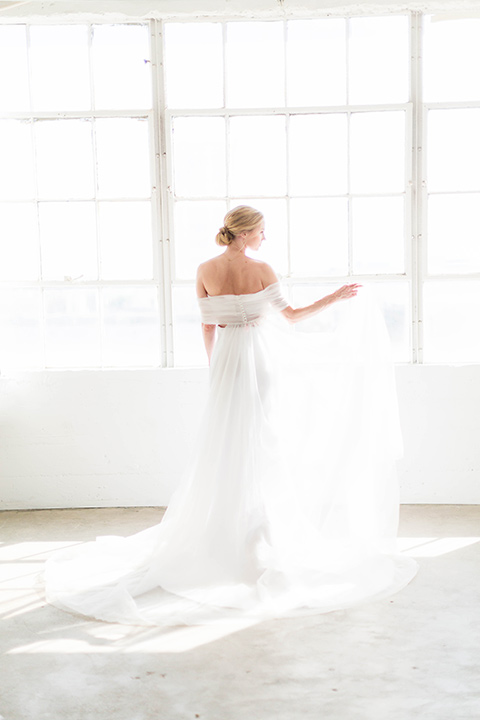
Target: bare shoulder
<point>203,272</point>
<point>207,267</point>
<point>267,273</point>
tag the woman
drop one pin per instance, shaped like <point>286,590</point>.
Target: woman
<point>288,506</point>
<point>234,273</point>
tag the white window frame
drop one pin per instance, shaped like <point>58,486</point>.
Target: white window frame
<point>288,282</point>
<point>160,120</point>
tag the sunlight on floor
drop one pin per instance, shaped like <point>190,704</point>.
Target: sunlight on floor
<point>20,581</point>
<point>433,547</point>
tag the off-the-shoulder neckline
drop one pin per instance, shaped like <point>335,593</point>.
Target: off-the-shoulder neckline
<point>206,297</point>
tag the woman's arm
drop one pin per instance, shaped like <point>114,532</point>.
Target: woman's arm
<point>294,315</point>
<point>208,332</point>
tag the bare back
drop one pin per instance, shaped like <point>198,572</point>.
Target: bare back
<point>242,275</point>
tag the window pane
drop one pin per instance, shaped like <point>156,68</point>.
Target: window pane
<point>378,235</point>
<point>16,165</point>
<point>194,65</point>
<point>131,332</point>
<point>255,64</point>
<point>394,302</point>
<point>196,225</point>
<point>319,232</point>
<point>274,249</point>
<point>391,298</point>
<point>451,59</point>
<point>257,156</point>
<point>199,157</point>
<point>312,46</point>
<point>69,241</point>
<point>307,294</point>
<point>123,158</point>
<point>64,159</point>
<point>378,60</point>
<point>454,233</point>
<point>453,150</point>
<point>318,154</point>
<point>125,232</point>
<point>451,327</point>
<point>72,329</point>
<point>13,69</point>
<point>19,251</point>
<point>187,333</point>
<point>377,152</point>
<point>20,327</point>
<point>121,66</point>
<point>59,66</point>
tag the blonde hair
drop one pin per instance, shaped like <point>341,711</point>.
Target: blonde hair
<point>241,219</point>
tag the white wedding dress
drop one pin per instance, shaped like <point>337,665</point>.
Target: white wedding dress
<point>290,502</point>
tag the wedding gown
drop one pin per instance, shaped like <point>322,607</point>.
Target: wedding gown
<point>290,502</point>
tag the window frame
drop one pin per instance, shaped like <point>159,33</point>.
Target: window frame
<point>160,119</point>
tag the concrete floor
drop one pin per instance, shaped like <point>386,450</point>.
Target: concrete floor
<point>414,655</point>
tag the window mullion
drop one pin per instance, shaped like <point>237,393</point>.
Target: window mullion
<point>418,209</point>
<point>161,228</point>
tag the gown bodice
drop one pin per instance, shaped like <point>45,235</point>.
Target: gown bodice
<point>241,309</point>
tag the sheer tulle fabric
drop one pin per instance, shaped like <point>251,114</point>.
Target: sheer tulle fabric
<point>290,503</point>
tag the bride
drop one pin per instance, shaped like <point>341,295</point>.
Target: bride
<point>290,503</point>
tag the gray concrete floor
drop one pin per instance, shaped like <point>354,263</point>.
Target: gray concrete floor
<point>414,655</point>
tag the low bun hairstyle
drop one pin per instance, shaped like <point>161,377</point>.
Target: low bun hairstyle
<point>241,219</point>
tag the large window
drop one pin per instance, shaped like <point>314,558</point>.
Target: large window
<point>451,192</point>
<point>76,212</point>
<point>356,137</point>
<point>310,122</point>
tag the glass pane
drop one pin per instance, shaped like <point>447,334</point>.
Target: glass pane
<point>123,158</point>
<point>319,237</point>
<point>255,64</point>
<point>394,302</point>
<point>453,74</point>
<point>121,66</point>
<point>377,152</point>
<point>257,156</point>
<point>378,52</point>
<point>69,241</point>
<point>187,329</point>
<point>454,233</point>
<point>307,294</point>
<point>194,65</point>
<point>453,150</point>
<point>451,328</point>
<point>378,235</point>
<point>19,250</point>
<point>20,328</point>
<point>196,224</point>
<point>318,154</point>
<point>13,69</point>
<point>16,165</point>
<point>60,68</point>
<point>64,159</point>
<point>312,46</point>
<point>199,157</point>
<point>72,328</point>
<point>391,298</point>
<point>274,249</point>
<point>131,331</point>
<point>125,232</point>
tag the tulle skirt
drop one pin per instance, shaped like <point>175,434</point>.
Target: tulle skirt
<point>290,502</point>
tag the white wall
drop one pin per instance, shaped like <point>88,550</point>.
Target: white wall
<point>93,438</point>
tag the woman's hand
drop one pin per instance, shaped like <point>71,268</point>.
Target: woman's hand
<point>345,292</point>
